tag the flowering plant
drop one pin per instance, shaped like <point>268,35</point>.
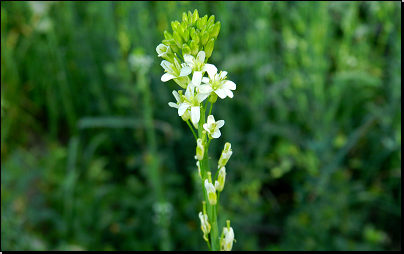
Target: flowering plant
<point>186,52</point>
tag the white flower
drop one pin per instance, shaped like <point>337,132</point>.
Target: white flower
<point>178,98</point>
<point>226,153</point>
<point>212,127</point>
<point>198,66</point>
<point>227,241</point>
<point>173,71</point>
<point>162,50</point>
<point>211,191</point>
<point>219,184</point>
<point>205,226</point>
<point>193,101</point>
<point>217,83</point>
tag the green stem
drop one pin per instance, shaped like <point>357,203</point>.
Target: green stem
<point>204,164</point>
<point>210,110</point>
<point>209,245</point>
<point>192,129</point>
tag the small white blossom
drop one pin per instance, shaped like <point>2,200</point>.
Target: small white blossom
<point>217,83</point>
<point>162,50</point>
<point>211,191</point>
<point>198,66</point>
<point>173,71</point>
<point>178,98</point>
<point>225,156</point>
<point>192,101</point>
<point>227,241</point>
<point>205,226</point>
<point>212,127</point>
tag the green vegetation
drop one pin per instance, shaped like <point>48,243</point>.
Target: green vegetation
<point>93,158</point>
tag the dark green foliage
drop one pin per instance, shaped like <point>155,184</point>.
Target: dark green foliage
<point>315,127</point>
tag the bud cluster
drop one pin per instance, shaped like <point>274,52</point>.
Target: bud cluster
<point>192,35</point>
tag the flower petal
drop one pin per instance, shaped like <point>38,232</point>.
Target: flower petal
<point>205,80</point>
<point>166,65</point>
<point>182,108</point>
<point>205,89</point>
<point>220,123</point>
<point>202,96</point>
<point>216,134</point>
<point>221,93</point>
<point>197,78</point>
<point>210,69</point>
<point>161,48</point>
<point>223,74</point>
<point>229,85</point>
<point>229,93</point>
<point>205,126</point>
<point>185,71</point>
<point>211,120</point>
<point>167,77</point>
<point>190,90</point>
<point>189,60</point>
<point>176,95</point>
<point>201,56</point>
<point>195,114</point>
<point>173,105</point>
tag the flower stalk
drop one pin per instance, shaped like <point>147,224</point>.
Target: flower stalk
<point>186,52</point>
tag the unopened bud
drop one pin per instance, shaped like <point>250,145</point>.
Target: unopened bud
<point>199,149</point>
<point>177,39</point>
<point>204,38</point>
<point>216,30</point>
<point>209,47</point>
<point>194,48</point>
<point>186,50</point>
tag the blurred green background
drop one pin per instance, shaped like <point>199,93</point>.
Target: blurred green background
<point>93,158</point>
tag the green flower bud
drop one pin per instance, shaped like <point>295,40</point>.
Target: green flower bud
<point>225,156</point>
<point>186,35</point>
<point>185,17</point>
<point>199,24</point>
<point>196,38</point>
<point>209,47</point>
<point>183,27</point>
<point>171,43</point>
<point>213,98</point>
<point>186,50</point>
<point>211,20</point>
<point>204,38</point>
<point>221,178</point>
<point>174,25</point>
<point>195,16</point>
<point>167,35</point>
<point>182,82</point>
<point>190,19</point>
<point>177,39</point>
<point>186,116</point>
<point>216,29</point>
<point>204,21</point>
<point>194,48</point>
<point>200,150</point>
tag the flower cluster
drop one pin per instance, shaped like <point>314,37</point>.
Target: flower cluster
<point>186,52</point>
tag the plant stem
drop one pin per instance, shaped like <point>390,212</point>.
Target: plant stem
<point>192,129</point>
<point>211,210</point>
